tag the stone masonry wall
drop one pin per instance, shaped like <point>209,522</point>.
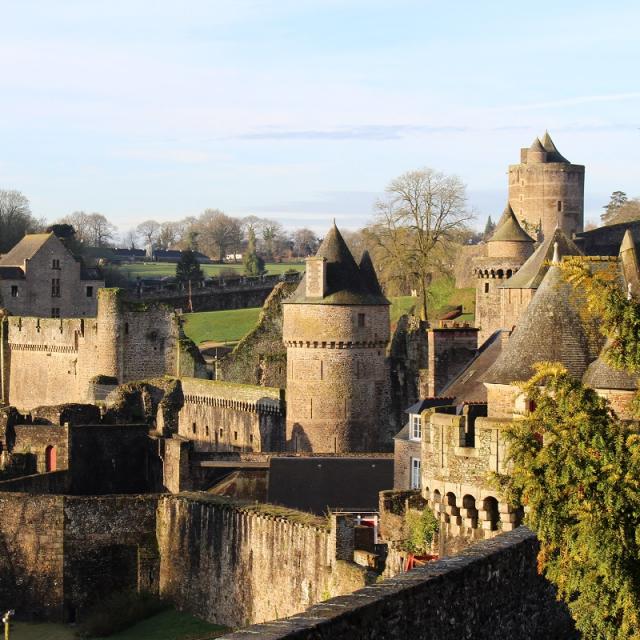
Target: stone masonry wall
<point>236,565</point>
<point>226,416</point>
<point>337,377</point>
<point>261,357</point>
<point>31,555</point>
<point>53,361</point>
<point>492,591</point>
<point>450,351</point>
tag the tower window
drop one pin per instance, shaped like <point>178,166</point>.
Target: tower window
<point>193,427</point>
<point>14,290</point>
<point>55,287</point>
<point>559,205</point>
<point>55,263</point>
<point>55,312</point>
<point>89,292</point>
<point>361,320</point>
<point>486,287</point>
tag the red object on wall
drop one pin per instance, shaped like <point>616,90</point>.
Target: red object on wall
<point>50,458</point>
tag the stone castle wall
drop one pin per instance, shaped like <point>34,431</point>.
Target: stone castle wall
<point>59,554</point>
<point>52,361</point>
<point>513,303</point>
<point>450,351</point>
<point>337,376</point>
<point>491,274</point>
<point>235,565</point>
<point>490,592</point>
<point>226,416</point>
<point>550,193</point>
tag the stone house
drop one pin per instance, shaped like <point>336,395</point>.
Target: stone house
<point>40,277</point>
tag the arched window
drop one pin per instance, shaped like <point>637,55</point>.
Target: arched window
<point>50,458</point>
<point>490,507</point>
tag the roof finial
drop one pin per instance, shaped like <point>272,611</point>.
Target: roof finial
<point>556,253</point>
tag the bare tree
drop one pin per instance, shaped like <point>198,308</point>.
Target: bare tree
<point>80,221</point>
<point>305,242</point>
<point>271,233</point>
<point>130,239</point>
<point>148,231</point>
<point>423,211</point>
<point>102,232</point>
<point>170,234</point>
<point>218,233</point>
<point>15,219</point>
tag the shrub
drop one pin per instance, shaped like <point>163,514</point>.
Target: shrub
<point>119,611</point>
<point>420,528</point>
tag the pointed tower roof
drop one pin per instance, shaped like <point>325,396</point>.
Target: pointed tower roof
<point>509,229</point>
<point>601,375</point>
<point>345,284</point>
<point>536,145</point>
<point>553,155</point>
<point>630,264</point>
<point>532,272</point>
<point>552,329</point>
<point>368,273</point>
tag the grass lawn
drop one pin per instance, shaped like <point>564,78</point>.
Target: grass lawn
<point>158,270</point>
<point>220,326</point>
<point>168,625</point>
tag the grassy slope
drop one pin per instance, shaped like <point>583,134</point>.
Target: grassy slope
<point>231,326</point>
<point>168,625</point>
<point>220,326</point>
<point>158,270</point>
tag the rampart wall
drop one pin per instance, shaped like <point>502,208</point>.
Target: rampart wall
<point>52,361</point>
<point>492,591</point>
<point>238,565</point>
<point>226,416</point>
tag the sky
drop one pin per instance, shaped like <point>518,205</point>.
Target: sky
<point>304,110</point>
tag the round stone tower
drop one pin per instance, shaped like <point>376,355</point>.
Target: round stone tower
<point>547,191</point>
<point>507,250</point>
<point>336,330</point>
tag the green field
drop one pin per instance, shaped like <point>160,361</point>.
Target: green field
<point>168,625</point>
<point>220,326</point>
<point>159,270</point>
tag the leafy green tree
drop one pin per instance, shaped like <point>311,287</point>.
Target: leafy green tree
<point>253,263</point>
<point>576,469</point>
<point>188,269</point>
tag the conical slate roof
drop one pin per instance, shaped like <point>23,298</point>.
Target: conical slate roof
<point>368,273</point>
<point>600,375</point>
<point>536,145</point>
<point>553,155</point>
<point>346,283</point>
<point>552,329</point>
<point>532,272</point>
<point>509,229</point>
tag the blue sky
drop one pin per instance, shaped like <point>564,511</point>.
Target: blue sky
<point>303,110</point>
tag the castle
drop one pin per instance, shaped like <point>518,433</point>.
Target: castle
<point>525,313</point>
<point>120,457</point>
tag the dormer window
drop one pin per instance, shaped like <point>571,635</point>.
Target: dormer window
<point>415,426</point>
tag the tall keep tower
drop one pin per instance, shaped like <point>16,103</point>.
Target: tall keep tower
<point>547,191</point>
<point>336,330</point>
<point>507,250</point>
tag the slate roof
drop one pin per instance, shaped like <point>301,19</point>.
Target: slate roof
<point>600,375</point>
<point>346,283</point>
<point>509,229</point>
<point>430,403</point>
<point>11,273</point>
<point>368,273</point>
<point>551,329</point>
<point>536,145</point>
<point>468,385</point>
<point>25,249</point>
<point>316,483</point>
<point>553,155</point>
<point>532,272</point>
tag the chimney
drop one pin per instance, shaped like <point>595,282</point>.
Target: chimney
<point>316,277</point>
